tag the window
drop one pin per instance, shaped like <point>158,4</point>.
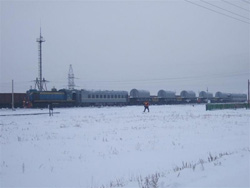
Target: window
<point>100,96</point>
<point>89,96</point>
<point>97,96</point>
<point>104,96</point>
<point>93,96</point>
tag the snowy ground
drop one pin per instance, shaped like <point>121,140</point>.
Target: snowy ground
<point>172,146</point>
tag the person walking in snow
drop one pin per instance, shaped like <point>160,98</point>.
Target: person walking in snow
<point>50,109</point>
<point>146,106</point>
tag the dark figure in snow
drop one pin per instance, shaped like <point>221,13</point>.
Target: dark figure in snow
<point>50,109</point>
<point>146,106</point>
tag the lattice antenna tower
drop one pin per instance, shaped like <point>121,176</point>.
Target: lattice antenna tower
<point>71,77</point>
<point>40,81</point>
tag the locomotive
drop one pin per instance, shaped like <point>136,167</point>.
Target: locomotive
<point>62,98</point>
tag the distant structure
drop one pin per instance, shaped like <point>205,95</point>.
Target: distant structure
<point>71,83</point>
<point>40,82</point>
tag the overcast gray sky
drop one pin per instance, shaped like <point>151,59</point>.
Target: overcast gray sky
<point>121,45</point>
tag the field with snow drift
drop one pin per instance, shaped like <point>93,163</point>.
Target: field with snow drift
<point>171,146</point>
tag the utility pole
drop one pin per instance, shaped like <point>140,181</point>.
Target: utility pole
<point>13,108</point>
<point>207,94</point>
<point>248,83</point>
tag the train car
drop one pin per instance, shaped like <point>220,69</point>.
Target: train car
<point>6,100</point>
<point>238,97</point>
<point>61,98</point>
<point>103,98</point>
<point>221,97</point>
<point>188,97</point>
<point>134,93</point>
<point>138,97</point>
<point>204,97</point>
<point>230,97</point>
<point>166,97</point>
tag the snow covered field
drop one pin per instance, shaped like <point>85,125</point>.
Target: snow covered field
<point>172,146</point>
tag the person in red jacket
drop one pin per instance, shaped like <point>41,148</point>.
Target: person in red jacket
<point>146,106</point>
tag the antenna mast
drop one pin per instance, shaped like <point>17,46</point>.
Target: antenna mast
<point>71,83</point>
<point>40,81</point>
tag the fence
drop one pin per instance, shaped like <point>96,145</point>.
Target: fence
<point>211,106</point>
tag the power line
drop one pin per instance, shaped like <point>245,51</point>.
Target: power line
<point>235,5</point>
<point>159,80</point>
<point>217,12</point>
<point>246,1</point>
<point>224,9</point>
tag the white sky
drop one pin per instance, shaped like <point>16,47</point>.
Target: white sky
<point>121,45</point>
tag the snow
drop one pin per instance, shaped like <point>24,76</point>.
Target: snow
<point>171,146</point>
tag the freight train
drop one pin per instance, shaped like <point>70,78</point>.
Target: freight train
<point>68,98</point>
